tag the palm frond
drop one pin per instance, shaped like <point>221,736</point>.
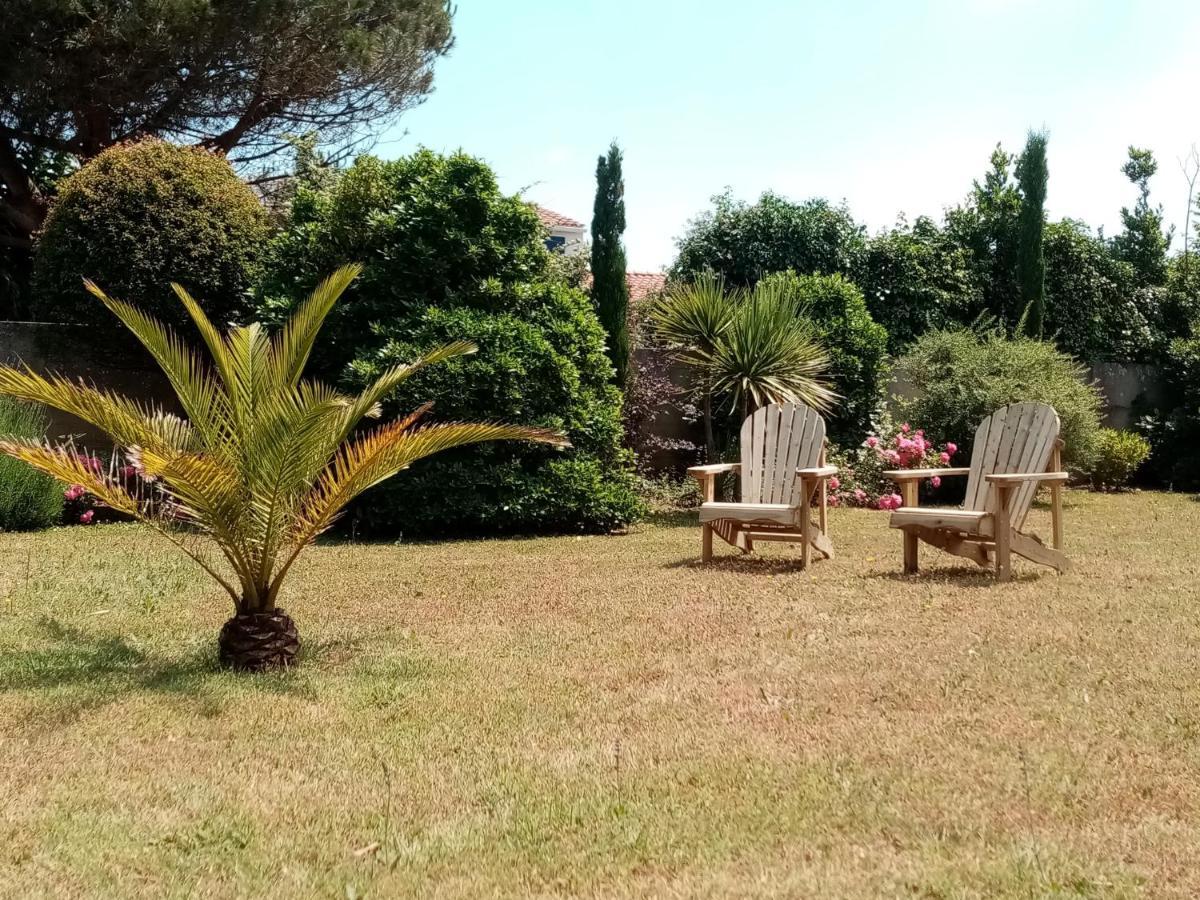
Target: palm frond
<point>694,316</point>
<point>769,354</point>
<point>292,347</point>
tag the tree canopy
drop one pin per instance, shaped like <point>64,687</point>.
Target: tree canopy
<point>238,78</point>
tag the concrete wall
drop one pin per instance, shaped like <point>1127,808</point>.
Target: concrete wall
<point>76,352</point>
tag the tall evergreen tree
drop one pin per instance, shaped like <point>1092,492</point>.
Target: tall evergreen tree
<point>1032,176</point>
<point>1143,243</point>
<point>610,291</point>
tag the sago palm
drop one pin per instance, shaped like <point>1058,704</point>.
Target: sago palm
<point>262,461</point>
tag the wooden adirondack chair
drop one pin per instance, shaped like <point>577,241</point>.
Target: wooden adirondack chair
<point>1016,449</point>
<point>782,472</point>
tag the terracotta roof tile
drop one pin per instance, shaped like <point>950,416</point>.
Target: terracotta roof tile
<point>551,219</point>
<point>641,284</point>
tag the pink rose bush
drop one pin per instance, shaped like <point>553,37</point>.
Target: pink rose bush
<point>83,508</point>
<point>860,479</point>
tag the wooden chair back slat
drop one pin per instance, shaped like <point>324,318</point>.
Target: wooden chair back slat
<point>775,441</point>
<point>1016,438</point>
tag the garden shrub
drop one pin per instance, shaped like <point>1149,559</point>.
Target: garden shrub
<point>860,480</point>
<point>914,280</point>
<point>1118,455</point>
<point>856,344</point>
<point>28,499</point>
<point>140,216</point>
<point>449,257</point>
<point>1173,424</point>
<point>956,378</point>
<point>745,242</point>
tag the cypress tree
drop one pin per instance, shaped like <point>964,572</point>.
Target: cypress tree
<point>1032,176</point>
<point>610,291</point>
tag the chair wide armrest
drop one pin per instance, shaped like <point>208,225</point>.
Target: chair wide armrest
<point>817,472</point>
<point>714,469</point>
<point>918,474</point>
<point>1018,477</point>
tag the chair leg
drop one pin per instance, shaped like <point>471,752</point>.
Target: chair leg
<point>805,524</point>
<point>706,534</point>
<point>1003,535</point>
<point>911,544</point>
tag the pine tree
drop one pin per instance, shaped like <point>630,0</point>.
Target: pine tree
<point>1032,176</point>
<point>610,291</point>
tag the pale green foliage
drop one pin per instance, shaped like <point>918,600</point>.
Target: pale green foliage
<point>265,460</point>
<point>957,378</point>
<point>1118,455</point>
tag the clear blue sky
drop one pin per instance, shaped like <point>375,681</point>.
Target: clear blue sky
<point>892,106</point>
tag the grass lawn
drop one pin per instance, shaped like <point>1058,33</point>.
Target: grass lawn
<point>599,716</point>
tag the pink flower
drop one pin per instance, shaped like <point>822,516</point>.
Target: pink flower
<point>128,472</point>
<point>834,484</point>
<point>904,428</point>
<point>834,501</point>
<point>93,463</point>
<point>897,501</point>
<point>952,449</point>
<point>74,492</point>
<point>86,518</point>
<point>944,457</point>
<point>860,495</point>
<point>936,481</point>
<point>872,441</point>
<point>891,456</point>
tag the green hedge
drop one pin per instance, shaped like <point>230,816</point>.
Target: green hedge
<point>448,257</point>
<point>856,344</point>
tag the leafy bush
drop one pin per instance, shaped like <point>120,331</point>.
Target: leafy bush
<point>956,378</point>
<point>1092,304</point>
<point>860,480</point>
<point>28,499</point>
<point>915,279</point>
<point>1173,425</point>
<point>1118,455</point>
<point>139,216</point>
<point>447,257</point>
<point>856,344</point>
<point>745,242</point>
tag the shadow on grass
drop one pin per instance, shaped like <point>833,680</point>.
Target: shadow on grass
<point>960,576</point>
<point>747,564</point>
<point>102,664</point>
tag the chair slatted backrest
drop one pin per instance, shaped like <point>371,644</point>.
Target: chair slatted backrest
<point>777,440</point>
<point>1016,438</point>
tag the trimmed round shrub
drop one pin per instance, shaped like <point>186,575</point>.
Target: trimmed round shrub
<point>140,216</point>
<point>28,499</point>
<point>1118,455</point>
<point>449,257</point>
<point>856,344</point>
<point>952,380</point>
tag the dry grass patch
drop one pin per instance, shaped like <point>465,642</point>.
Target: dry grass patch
<point>600,716</point>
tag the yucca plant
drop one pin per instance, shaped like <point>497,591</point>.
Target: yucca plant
<point>692,317</point>
<point>769,354</point>
<point>262,462</point>
<point>756,347</point>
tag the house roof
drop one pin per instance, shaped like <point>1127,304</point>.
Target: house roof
<point>551,219</point>
<point>643,284</point>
